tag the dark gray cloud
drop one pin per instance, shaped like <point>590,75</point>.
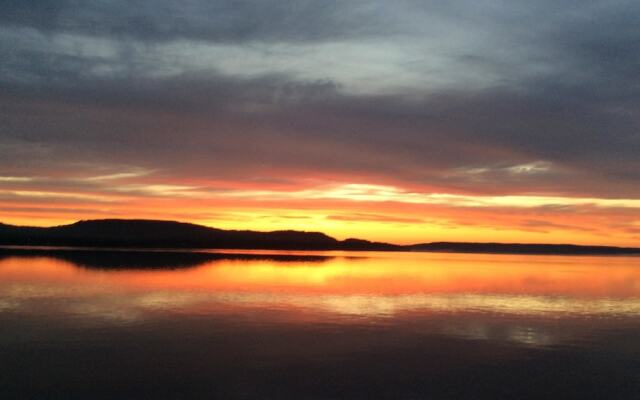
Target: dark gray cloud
<point>555,84</point>
<point>219,21</point>
<point>227,127</point>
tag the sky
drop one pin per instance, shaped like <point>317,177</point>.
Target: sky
<point>404,121</point>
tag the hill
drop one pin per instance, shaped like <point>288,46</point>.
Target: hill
<point>136,233</point>
<point>170,234</point>
<point>522,248</point>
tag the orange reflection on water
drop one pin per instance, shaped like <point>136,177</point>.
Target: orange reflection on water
<point>365,274</point>
<point>514,299</point>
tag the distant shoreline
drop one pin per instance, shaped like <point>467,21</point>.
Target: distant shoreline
<point>20,250</point>
<point>176,236</point>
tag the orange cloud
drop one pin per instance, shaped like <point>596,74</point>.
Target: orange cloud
<point>370,211</point>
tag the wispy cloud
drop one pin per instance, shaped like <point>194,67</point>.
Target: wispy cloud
<point>116,176</point>
<point>379,193</point>
<point>16,179</point>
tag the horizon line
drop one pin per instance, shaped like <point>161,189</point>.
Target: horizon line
<point>323,233</point>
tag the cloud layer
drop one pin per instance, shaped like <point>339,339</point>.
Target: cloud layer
<point>491,98</point>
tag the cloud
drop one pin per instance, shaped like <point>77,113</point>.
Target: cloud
<point>486,99</point>
<point>358,217</point>
<point>219,21</point>
<point>229,127</point>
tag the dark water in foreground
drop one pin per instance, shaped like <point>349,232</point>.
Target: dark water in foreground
<point>318,326</point>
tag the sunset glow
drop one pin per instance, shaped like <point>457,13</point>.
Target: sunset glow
<point>391,121</point>
<point>375,212</point>
<point>319,199</point>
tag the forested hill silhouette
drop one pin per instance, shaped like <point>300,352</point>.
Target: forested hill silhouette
<point>170,234</point>
<point>131,233</point>
<point>523,248</point>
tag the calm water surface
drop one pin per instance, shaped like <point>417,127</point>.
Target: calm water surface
<point>274,325</point>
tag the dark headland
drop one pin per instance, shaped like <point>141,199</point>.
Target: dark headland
<point>123,233</point>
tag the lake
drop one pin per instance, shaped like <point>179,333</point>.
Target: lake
<point>317,325</point>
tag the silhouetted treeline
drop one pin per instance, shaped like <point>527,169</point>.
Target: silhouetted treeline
<point>522,248</point>
<point>168,234</point>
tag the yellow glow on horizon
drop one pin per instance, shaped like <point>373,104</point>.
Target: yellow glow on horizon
<point>383,213</point>
<point>412,233</point>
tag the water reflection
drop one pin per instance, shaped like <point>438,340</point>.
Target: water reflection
<point>147,259</point>
<point>419,323</point>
